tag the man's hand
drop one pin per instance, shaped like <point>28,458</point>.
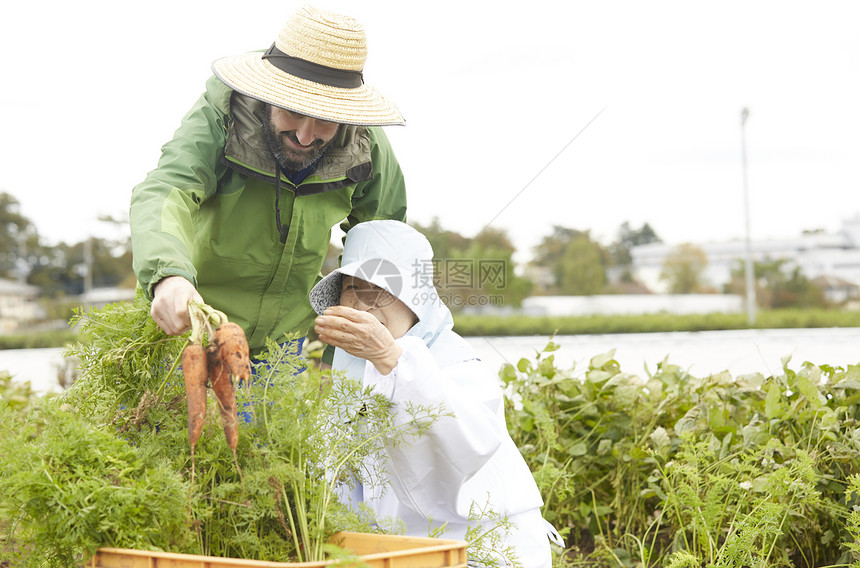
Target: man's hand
<point>170,304</point>
<point>360,334</point>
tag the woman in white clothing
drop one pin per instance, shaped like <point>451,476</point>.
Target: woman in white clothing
<point>391,331</point>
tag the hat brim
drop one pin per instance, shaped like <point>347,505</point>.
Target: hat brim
<point>326,292</point>
<point>253,76</point>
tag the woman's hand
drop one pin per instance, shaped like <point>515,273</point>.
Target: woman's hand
<point>360,334</point>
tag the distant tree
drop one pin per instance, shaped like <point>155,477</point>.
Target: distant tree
<point>443,241</point>
<point>684,269</point>
<point>779,284</point>
<point>19,239</point>
<point>492,238</point>
<point>583,267</point>
<point>475,272</point>
<point>550,253</point>
<point>61,270</point>
<point>57,272</point>
<point>111,258</point>
<point>627,238</point>
<point>797,291</point>
<point>620,255</point>
<point>494,279</point>
<point>574,261</point>
<point>111,265</point>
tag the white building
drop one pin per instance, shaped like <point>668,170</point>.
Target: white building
<point>816,254</point>
<point>626,304</point>
<point>18,305</point>
<point>100,297</point>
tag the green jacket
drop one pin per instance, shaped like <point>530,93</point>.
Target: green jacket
<point>207,212</point>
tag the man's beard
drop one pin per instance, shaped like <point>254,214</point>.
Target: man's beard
<point>289,158</point>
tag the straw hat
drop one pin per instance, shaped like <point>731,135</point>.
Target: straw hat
<point>313,68</point>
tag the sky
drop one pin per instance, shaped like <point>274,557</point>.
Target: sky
<point>520,115</point>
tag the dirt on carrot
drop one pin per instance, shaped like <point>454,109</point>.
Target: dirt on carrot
<point>195,371</point>
<point>233,350</point>
<point>225,391</point>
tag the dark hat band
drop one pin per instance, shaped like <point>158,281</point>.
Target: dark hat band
<point>310,71</point>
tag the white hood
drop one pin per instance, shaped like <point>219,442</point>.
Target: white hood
<point>398,259</point>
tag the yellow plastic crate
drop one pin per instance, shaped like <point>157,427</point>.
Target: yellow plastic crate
<point>374,550</point>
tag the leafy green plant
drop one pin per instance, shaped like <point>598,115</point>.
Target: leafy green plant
<point>660,469</point>
<point>69,487</point>
<point>486,541</point>
<point>671,469</point>
<point>733,510</point>
<point>108,462</point>
<point>852,500</point>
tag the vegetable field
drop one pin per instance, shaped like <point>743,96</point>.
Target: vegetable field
<point>109,463</point>
<point>636,470</point>
<point>682,471</point>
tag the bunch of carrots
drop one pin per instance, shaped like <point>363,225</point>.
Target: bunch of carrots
<point>223,361</point>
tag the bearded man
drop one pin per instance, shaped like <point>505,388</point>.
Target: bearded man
<point>282,146</point>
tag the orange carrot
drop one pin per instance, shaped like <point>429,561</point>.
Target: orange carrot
<point>233,350</point>
<point>222,383</point>
<point>194,369</point>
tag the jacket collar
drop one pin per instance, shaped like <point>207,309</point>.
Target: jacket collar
<point>347,160</point>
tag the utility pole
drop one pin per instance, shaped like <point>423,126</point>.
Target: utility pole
<point>88,264</point>
<point>748,262</point>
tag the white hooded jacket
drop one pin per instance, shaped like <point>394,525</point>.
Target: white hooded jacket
<point>462,461</point>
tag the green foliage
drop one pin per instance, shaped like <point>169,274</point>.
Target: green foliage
<point>628,238</point>
<point>671,469</point>
<point>684,269</point>
<point>778,285</point>
<point>445,243</point>
<point>69,487</point>
<point>109,463</point>
<point>665,469</point>
<point>583,269</point>
<point>489,325</point>
<point>124,358</point>
<point>17,235</point>
<point>852,500</point>
<point>475,272</point>
<point>575,262</point>
<point>55,269</point>
<point>37,340</point>
<point>486,541</point>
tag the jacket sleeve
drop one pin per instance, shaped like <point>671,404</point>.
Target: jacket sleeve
<point>187,174</point>
<point>427,474</point>
<point>383,196</point>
